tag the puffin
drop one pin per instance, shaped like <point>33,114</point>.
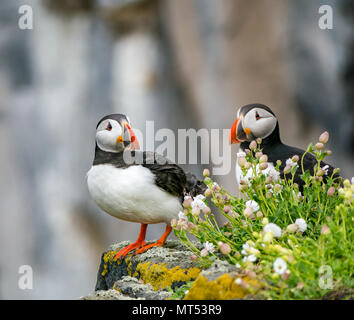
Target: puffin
<point>259,121</point>
<point>136,186</point>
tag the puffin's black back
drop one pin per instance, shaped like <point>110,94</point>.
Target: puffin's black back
<point>273,147</point>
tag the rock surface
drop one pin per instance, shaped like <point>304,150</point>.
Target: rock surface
<point>153,274</point>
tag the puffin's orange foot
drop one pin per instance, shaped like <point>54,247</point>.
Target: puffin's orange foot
<point>148,246</point>
<point>123,252</point>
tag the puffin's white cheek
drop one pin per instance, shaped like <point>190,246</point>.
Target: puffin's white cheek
<point>106,141</point>
<point>264,127</point>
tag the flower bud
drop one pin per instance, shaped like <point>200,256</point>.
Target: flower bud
<point>248,165</point>
<point>187,202</point>
<point>207,193</point>
<point>241,161</point>
<point>319,146</point>
<point>263,165</point>
<point>265,221</point>
<point>263,158</point>
<point>295,158</point>
<point>336,171</point>
<point>206,173</point>
<point>268,180</point>
<point>331,191</point>
<point>328,152</point>
<point>259,140</point>
<point>268,195</point>
<point>258,154</point>
<point>253,145</point>
<point>259,214</point>
<point>278,162</point>
<point>195,211</point>
<point>248,212</point>
<point>319,173</point>
<point>173,223</point>
<point>285,276</point>
<point>247,151</point>
<point>325,230</point>
<point>287,169</point>
<point>324,137</point>
<point>193,257</point>
<point>227,209</point>
<point>278,187</point>
<point>224,248</point>
<point>206,210</point>
<point>292,228</point>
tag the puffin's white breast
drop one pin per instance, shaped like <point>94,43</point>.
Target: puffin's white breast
<point>131,194</point>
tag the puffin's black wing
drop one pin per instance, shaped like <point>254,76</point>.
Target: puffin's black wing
<point>283,152</point>
<point>168,175</point>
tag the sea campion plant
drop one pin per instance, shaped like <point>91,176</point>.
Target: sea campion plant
<point>299,241</point>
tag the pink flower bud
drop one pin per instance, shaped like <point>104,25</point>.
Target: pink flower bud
<point>295,158</point>
<point>324,137</point>
<point>224,248</point>
<point>331,191</point>
<point>263,158</point>
<point>207,193</point>
<point>227,209</point>
<point>173,223</point>
<point>253,145</point>
<point>204,252</point>
<point>328,152</point>
<point>193,257</point>
<point>319,146</point>
<point>263,165</point>
<point>259,214</point>
<point>285,276</point>
<point>206,210</point>
<point>278,162</point>
<point>325,230</point>
<point>258,154</point>
<point>187,202</point>
<point>259,140</point>
<point>241,161</point>
<point>195,211</point>
<point>287,169</point>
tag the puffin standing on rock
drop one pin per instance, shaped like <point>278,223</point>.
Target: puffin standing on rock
<point>136,186</point>
<point>258,121</point>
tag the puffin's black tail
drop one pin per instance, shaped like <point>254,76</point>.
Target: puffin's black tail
<point>193,185</point>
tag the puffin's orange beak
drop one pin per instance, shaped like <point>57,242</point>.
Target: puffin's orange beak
<point>133,141</point>
<point>233,133</point>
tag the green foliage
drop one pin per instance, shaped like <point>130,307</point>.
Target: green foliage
<point>301,244</point>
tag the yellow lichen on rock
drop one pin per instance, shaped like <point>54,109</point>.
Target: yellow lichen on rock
<point>223,288</point>
<point>160,276</point>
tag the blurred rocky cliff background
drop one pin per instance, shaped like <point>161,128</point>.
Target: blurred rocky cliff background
<point>181,63</point>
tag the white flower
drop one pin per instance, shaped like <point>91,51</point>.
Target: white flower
<point>198,201</point>
<point>246,248</point>
<point>209,247</point>
<point>302,224</point>
<point>279,266</point>
<point>325,169</point>
<point>182,216</point>
<point>250,258</point>
<point>187,197</point>
<point>252,204</point>
<point>289,162</point>
<point>272,227</point>
<point>274,174</point>
<point>241,154</point>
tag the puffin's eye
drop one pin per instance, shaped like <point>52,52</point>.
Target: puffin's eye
<point>257,115</point>
<point>109,126</point>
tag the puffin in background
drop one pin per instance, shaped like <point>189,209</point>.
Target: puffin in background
<point>136,186</point>
<point>258,121</point>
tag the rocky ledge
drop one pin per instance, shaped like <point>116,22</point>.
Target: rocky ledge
<point>157,273</point>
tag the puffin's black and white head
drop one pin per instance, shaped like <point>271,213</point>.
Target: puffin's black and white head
<point>114,134</point>
<point>253,121</point>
